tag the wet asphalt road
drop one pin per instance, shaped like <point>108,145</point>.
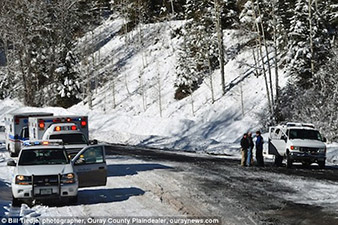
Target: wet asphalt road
<point>248,191</point>
<point>231,190</point>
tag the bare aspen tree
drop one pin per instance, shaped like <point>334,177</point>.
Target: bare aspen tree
<point>311,37</point>
<point>89,89</point>
<point>159,89</point>
<point>126,83</point>
<point>218,9</point>
<point>172,8</point>
<point>192,103</point>
<point>142,91</point>
<point>254,50</point>
<point>266,51</point>
<point>275,47</point>
<point>259,40</point>
<point>242,98</point>
<point>211,81</point>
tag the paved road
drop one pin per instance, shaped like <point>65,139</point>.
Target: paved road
<point>209,186</point>
<point>254,195</point>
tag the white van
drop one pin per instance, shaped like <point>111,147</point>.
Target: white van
<point>297,142</point>
<point>16,131</point>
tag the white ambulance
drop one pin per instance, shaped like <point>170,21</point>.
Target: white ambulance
<point>16,129</point>
<point>72,130</point>
<point>42,125</point>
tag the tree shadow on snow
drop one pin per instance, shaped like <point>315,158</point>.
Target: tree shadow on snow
<point>120,170</point>
<point>95,196</point>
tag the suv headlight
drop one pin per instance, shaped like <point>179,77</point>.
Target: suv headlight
<point>294,148</point>
<point>68,178</point>
<point>23,180</point>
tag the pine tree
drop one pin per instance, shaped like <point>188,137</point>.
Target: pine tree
<point>302,53</point>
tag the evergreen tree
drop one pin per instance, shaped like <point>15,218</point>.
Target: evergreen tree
<point>301,52</point>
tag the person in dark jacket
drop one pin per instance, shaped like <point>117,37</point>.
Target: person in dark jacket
<point>259,149</point>
<point>250,150</point>
<point>244,148</point>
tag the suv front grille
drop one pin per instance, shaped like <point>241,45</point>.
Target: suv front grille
<point>51,180</point>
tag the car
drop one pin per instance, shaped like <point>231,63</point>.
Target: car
<point>297,142</point>
<point>45,171</point>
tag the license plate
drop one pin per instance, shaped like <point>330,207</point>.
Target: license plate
<point>46,191</point>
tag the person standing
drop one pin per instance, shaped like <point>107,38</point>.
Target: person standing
<point>244,148</point>
<point>259,149</point>
<point>250,149</point>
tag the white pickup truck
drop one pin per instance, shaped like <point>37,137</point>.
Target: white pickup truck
<point>44,171</point>
<point>297,142</point>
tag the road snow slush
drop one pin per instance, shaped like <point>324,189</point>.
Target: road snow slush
<point>156,183</point>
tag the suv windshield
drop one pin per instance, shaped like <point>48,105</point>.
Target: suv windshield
<point>43,157</point>
<point>69,139</point>
<point>305,134</point>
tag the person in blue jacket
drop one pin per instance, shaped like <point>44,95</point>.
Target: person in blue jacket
<point>250,150</point>
<point>259,149</point>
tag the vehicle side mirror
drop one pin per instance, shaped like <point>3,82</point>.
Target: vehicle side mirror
<point>11,163</point>
<point>324,139</point>
<point>79,161</point>
<point>93,142</point>
<point>284,138</point>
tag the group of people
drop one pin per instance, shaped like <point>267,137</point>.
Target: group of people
<point>247,146</point>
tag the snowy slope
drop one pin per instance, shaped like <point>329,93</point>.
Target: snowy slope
<point>140,75</point>
<point>193,123</point>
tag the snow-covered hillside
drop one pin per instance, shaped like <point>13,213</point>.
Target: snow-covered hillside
<point>142,75</point>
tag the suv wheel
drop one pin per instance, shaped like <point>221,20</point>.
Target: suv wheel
<point>73,200</point>
<point>16,202</point>
<point>321,164</point>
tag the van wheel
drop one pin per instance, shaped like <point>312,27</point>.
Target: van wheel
<point>278,160</point>
<point>321,164</point>
<point>288,161</point>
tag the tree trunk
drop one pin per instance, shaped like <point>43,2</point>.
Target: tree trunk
<point>311,37</point>
<point>220,42</point>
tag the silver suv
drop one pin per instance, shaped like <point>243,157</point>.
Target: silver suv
<point>44,171</point>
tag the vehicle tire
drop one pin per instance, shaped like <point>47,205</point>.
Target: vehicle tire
<point>288,161</point>
<point>321,164</point>
<point>73,200</point>
<point>278,160</point>
<point>16,202</point>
